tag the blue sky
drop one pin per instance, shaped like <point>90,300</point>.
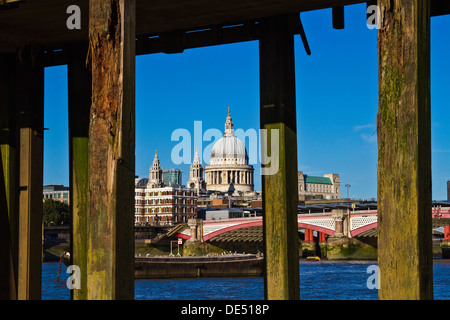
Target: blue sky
<point>337,102</point>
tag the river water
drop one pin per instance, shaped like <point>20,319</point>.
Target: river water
<point>324,280</point>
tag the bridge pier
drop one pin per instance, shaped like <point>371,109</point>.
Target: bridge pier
<point>322,244</point>
<point>308,245</point>
<point>196,227</point>
<point>339,216</point>
<point>341,246</point>
<point>344,248</point>
<point>445,245</point>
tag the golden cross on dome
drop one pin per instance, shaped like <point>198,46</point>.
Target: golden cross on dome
<point>228,110</point>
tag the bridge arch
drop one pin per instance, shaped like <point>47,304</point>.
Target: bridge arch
<point>364,228</point>
<point>233,227</point>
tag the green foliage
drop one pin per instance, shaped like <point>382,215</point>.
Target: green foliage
<point>55,213</point>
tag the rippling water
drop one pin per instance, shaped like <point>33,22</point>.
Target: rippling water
<point>325,280</point>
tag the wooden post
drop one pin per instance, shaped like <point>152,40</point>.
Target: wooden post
<point>279,177</point>
<point>80,90</point>
<point>404,151</point>
<point>8,194</point>
<point>30,96</point>
<point>111,150</point>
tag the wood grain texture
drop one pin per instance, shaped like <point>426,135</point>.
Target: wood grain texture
<point>79,91</point>
<point>280,195</point>
<point>111,151</point>
<point>404,151</point>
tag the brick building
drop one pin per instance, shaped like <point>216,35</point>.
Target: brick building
<point>165,205</point>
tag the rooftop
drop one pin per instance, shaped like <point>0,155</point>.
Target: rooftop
<point>320,180</point>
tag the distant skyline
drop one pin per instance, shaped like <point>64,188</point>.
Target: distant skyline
<point>337,102</point>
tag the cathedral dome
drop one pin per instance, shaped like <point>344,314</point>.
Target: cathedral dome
<point>229,170</point>
<point>228,149</point>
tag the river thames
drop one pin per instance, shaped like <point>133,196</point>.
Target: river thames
<point>324,280</point>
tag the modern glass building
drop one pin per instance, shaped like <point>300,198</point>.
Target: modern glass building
<point>172,177</point>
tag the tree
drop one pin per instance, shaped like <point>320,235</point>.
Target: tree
<point>55,213</point>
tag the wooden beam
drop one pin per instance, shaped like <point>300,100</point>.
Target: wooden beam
<point>188,39</point>
<point>439,8</point>
<point>111,150</point>
<point>404,151</point>
<point>80,91</point>
<point>279,177</point>
<point>30,22</point>
<point>30,96</point>
<point>8,194</point>
<point>338,17</point>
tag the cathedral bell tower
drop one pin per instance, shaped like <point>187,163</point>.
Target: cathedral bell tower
<point>155,176</point>
<point>196,178</point>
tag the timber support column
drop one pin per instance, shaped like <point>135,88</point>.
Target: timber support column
<point>279,159</point>
<point>80,91</point>
<point>110,263</point>
<point>30,104</point>
<point>8,195</point>
<point>404,151</point>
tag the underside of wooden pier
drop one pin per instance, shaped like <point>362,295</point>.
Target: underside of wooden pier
<point>43,23</point>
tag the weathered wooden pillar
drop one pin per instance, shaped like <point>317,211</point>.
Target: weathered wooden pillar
<point>30,104</point>
<point>111,150</point>
<point>8,195</point>
<point>279,177</point>
<point>80,90</point>
<point>404,151</point>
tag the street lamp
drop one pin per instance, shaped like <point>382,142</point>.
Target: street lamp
<point>348,198</point>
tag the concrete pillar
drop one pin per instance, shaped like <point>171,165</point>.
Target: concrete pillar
<point>404,151</point>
